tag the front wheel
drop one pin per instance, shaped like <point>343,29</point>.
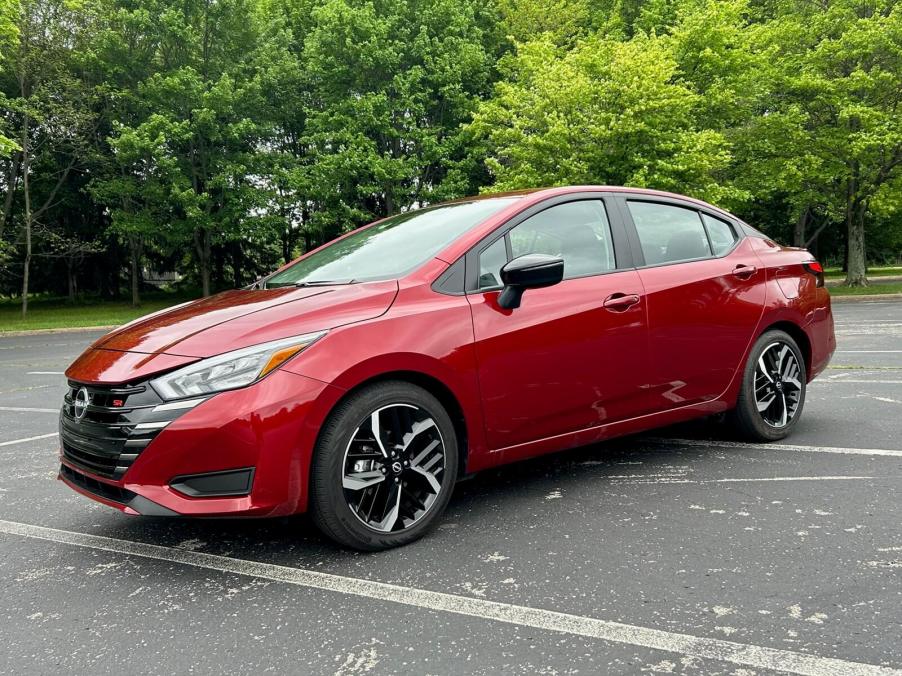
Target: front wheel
<point>384,467</point>
<point>773,389</point>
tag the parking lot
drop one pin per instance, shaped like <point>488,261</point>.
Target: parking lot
<point>681,551</point>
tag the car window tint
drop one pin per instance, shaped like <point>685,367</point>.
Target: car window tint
<point>721,234</point>
<point>491,260</point>
<point>391,248</point>
<point>669,233</point>
<point>578,232</point>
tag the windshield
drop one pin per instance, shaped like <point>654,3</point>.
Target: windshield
<point>392,248</point>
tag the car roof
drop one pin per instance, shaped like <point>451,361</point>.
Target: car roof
<point>533,196</point>
<point>542,193</point>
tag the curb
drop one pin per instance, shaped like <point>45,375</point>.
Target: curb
<point>40,332</point>
<point>869,296</point>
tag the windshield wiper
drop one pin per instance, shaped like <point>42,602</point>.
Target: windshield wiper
<point>324,282</point>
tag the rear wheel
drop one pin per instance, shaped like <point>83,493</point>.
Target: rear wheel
<point>384,467</point>
<point>773,389</point>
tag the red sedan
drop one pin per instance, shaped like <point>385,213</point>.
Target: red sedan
<point>362,380</point>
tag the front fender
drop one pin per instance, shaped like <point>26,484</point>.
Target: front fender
<point>425,334</point>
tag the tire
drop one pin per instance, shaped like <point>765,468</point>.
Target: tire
<point>782,382</point>
<point>349,502</point>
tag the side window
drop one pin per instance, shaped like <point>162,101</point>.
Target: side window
<point>578,232</point>
<point>721,234</point>
<point>491,260</point>
<point>669,233</point>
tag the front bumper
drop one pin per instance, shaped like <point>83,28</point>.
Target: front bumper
<point>268,429</point>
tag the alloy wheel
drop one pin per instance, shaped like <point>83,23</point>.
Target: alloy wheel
<point>392,467</point>
<point>778,385</point>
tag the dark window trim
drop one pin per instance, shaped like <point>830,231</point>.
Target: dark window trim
<point>633,234</point>
<point>622,250</point>
<point>451,281</point>
<point>732,227</point>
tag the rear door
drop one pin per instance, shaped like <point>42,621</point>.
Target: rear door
<point>705,294</point>
<point>564,360</point>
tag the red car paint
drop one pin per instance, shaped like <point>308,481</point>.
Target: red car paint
<point>560,371</point>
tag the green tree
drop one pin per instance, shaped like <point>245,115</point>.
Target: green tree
<point>390,83</point>
<point>125,180</point>
<point>9,32</point>
<point>562,21</point>
<point>49,111</point>
<point>607,111</point>
<point>194,132</point>
<point>841,82</point>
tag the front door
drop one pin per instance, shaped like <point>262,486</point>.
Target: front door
<point>572,356</point>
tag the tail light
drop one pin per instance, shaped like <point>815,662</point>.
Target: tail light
<point>817,270</point>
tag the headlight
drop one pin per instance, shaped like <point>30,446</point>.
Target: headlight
<point>231,370</point>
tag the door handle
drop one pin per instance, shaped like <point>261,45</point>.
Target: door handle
<point>620,302</point>
<point>744,271</point>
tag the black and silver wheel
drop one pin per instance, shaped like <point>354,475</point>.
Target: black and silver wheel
<point>384,467</point>
<point>773,388</point>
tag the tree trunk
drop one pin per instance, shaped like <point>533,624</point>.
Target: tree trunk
<point>219,255</point>
<point>70,278</point>
<point>798,232</point>
<point>813,239</point>
<point>389,201</point>
<point>26,190</point>
<point>203,244</point>
<point>237,255</point>
<point>12,176</point>
<point>136,250</point>
<point>25,270</point>
<point>856,272</point>
<point>286,247</point>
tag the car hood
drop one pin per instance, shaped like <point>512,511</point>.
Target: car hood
<point>236,319</point>
<point>224,322</point>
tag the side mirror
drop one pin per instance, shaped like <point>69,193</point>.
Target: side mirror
<point>532,271</point>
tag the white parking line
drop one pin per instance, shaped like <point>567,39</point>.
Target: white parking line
<point>22,441</point>
<point>21,409</point>
<point>640,479</point>
<point>870,351</point>
<point>834,380</point>
<point>758,657</point>
<point>45,373</point>
<point>707,443</point>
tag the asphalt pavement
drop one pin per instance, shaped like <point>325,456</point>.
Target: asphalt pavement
<point>680,551</point>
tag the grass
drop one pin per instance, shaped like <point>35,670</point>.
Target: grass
<point>54,313</point>
<point>841,290</point>
<point>837,273</point>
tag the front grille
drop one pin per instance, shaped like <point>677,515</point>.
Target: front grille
<point>108,437</point>
<point>95,487</point>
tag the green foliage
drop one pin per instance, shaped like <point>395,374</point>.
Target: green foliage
<point>785,112</point>
<point>392,81</point>
<point>9,30</point>
<point>219,139</point>
<point>843,73</point>
<point>561,21</point>
<point>606,111</point>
